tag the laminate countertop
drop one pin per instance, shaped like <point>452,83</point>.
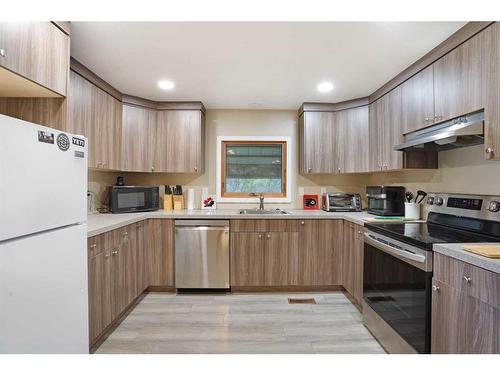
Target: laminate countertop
<point>454,250</point>
<point>101,223</point>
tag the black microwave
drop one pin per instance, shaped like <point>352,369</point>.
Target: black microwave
<point>134,199</point>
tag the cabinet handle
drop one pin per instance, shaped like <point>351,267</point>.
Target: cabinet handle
<point>114,252</point>
<point>467,279</point>
<point>196,169</point>
<point>268,236</point>
<point>489,150</point>
<point>438,118</point>
<point>93,246</point>
<point>152,169</point>
<point>338,170</point>
<point>302,222</point>
<point>2,52</point>
<point>435,288</point>
<point>106,256</point>
<point>125,234</point>
<point>259,236</point>
<point>309,170</point>
<point>99,165</point>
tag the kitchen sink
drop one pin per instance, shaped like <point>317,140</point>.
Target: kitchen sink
<point>256,211</point>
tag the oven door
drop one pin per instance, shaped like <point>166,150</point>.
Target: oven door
<point>134,199</point>
<point>397,288</point>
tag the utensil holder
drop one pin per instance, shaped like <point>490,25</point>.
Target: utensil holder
<point>412,211</point>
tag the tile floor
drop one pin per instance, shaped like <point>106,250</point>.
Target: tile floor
<point>241,323</point>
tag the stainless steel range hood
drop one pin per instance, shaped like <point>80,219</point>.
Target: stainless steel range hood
<point>460,132</point>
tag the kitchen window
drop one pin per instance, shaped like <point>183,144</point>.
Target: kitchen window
<point>251,167</point>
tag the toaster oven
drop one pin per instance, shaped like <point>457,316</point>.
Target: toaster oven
<point>334,202</point>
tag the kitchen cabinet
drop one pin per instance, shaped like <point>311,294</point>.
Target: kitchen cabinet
<point>247,252</point>
<point>180,141</point>
<point>320,252</point>
<point>159,234</point>
<point>322,143</point>
<point>264,253</point>
<point>138,139</point>
<point>491,90</point>
<point>465,308</point>
<point>356,143</point>
<point>417,101</point>
<point>458,80</point>
<point>98,116</point>
<point>352,260</point>
<point>37,51</point>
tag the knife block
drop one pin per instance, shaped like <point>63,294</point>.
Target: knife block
<point>178,202</point>
<point>168,202</point>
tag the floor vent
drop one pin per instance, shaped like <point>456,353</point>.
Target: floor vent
<point>309,301</point>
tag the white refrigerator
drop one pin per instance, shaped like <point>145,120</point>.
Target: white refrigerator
<point>43,239</point>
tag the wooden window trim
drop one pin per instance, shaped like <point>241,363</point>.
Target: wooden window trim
<point>283,193</point>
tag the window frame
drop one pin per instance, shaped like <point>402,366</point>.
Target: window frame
<point>283,197</point>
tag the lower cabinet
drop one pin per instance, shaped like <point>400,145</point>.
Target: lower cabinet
<point>286,252</point>
<point>122,264</point>
<point>352,261</point>
<point>465,308</point>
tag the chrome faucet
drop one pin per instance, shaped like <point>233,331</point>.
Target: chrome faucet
<point>261,200</point>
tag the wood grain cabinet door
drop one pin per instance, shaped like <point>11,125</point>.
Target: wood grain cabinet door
<point>355,126</point>
<point>320,252</point>
<point>38,51</point>
<point>462,324</point>
<point>141,281</point>
<point>322,142</point>
<point>247,259</point>
<point>491,90</point>
<point>458,80</point>
<point>417,101</point>
<point>160,250</point>
<point>180,141</point>
<point>100,305</point>
<point>129,252</point>
<point>393,133</point>
<point>281,258</point>
<point>375,136</point>
<point>138,139</point>
<point>118,283</point>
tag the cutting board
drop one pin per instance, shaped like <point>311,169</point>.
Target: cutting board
<point>489,251</point>
<point>385,219</point>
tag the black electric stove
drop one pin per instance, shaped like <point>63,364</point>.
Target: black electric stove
<point>398,265</point>
<point>440,228</point>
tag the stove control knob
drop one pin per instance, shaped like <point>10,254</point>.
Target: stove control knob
<point>430,201</point>
<point>494,206</point>
<point>438,201</point>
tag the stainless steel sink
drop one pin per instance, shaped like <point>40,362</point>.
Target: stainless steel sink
<point>256,211</point>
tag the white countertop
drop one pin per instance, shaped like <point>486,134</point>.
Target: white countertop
<point>100,223</point>
<point>454,250</point>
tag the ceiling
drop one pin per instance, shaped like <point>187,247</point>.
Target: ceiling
<point>273,65</point>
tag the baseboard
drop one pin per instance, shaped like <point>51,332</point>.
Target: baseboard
<point>287,288</point>
<point>158,288</point>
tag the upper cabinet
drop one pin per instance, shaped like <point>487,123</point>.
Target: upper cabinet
<point>180,141</point>
<point>155,140</point>
<point>97,115</point>
<point>458,81</point>
<point>35,59</point>
<point>417,101</point>
<point>491,90</point>
<point>334,142</point>
<point>138,138</point>
<point>385,132</point>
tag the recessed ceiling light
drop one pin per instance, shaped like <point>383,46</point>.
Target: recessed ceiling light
<point>325,87</point>
<point>166,85</point>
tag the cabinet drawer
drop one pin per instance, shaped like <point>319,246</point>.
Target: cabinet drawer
<point>286,225</point>
<point>472,280</point>
<point>245,225</point>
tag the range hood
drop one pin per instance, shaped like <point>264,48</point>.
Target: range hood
<point>462,131</point>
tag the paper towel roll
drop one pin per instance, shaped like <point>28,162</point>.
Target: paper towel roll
<point>190,199</point>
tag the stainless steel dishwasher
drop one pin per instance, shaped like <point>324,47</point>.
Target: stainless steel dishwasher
<point>202,254</point>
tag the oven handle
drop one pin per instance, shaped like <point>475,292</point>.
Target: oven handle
<point>393,250</point>
<point>377,196</point>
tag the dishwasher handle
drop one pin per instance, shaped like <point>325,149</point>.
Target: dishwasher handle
<point>202,223</point>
